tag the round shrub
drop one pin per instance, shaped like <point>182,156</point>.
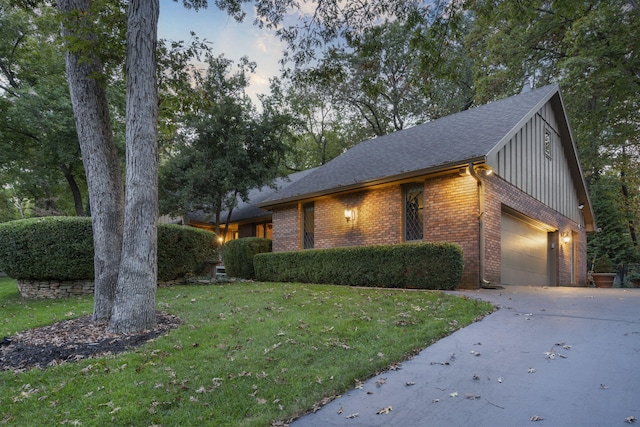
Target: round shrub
<point>238,256</point>
<point>61,248</point>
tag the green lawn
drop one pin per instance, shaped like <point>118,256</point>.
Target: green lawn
<point>246,354</point>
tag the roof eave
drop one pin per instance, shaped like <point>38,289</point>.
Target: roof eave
<point>380,181</point>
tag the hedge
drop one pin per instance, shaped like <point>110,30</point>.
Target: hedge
<point>238,256</point>
<point>412,265</point>
<point>61,248</point>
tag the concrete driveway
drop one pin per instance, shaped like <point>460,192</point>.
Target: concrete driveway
<point>547,357</point>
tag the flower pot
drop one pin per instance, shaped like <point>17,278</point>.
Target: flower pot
<point>603,280</point>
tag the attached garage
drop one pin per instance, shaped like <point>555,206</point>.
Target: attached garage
<point>524,251</point>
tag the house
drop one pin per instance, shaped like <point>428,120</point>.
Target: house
<point>247,219</point>
<point>502,180</point>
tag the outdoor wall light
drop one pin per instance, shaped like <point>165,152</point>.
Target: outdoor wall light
<point>349,215</point>
<point>566,238</point>
<point>484,169</point>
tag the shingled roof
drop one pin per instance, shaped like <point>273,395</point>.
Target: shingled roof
<point>468,136</point>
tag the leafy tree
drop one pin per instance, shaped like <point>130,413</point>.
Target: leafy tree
<point>41,156</point>
<point>227,148</point>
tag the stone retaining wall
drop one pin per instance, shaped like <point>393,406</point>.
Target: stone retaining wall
<point>65,289</point>
<point>54,288</point>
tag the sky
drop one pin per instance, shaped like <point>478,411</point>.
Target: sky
<point>230,38</point>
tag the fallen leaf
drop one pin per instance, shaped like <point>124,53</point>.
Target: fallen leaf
<point>630,420</point>
<point>435,401</point>
<point>532,370</point>
<point>475,377</point>
<point>410,383</point>
<point>385,410</point>
<point>380,382</point>
<point>536,418</point>
<point>454,394</point>
<point>261,401</point>
<point>472,396</point>
<point>352,416</point>
<point>340,410</point>
<point>500,380</point>
<point>604,386</point>
<point>475,353</point>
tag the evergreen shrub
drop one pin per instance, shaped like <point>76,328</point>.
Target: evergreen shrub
<point>412,265</point>
<point>238,256</point>
<point>61,248</point>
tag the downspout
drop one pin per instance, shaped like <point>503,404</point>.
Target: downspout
<point>481,239</point>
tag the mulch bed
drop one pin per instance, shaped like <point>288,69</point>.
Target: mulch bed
<point>72,340</point>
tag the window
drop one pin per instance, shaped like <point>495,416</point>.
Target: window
<point>264,230</point>
<point>413,212</point>
<point>547,143</point>
<point>307,226</point>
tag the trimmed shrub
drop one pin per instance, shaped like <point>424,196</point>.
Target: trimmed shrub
<point>238,256</point>
<point>61,248</point>
<point>183,250</point>
<point>412,265</point>
<point>47,248</point>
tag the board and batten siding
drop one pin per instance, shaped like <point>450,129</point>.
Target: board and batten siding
<point>524,163</point>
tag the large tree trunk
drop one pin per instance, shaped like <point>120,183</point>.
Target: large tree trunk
<point>100,158</point>
<point>134,308</point>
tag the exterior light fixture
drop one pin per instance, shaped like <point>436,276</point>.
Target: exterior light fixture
<point>566,238</point>
<point>349,215</point>
<point>483,169</point>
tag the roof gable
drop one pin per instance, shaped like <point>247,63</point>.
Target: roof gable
<point>452,140</point>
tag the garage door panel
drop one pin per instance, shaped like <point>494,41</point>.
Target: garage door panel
<point>524,253</point>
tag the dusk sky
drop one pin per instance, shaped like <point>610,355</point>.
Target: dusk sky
<point>228,37</point>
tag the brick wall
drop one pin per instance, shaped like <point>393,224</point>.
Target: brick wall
<point>286,228</point>
<point>451,215</point>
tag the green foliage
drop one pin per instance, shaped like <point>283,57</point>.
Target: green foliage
<point>47,248</point>
<point>183,250</point>
<point>62,248</point>
<point>238,256</point>
<point>230,149</point>
<point>245,355</point>
<point>40,153</point>
<point>613,242</point>
<point>416,265</point>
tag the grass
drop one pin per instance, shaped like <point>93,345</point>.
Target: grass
<point>246,354</point>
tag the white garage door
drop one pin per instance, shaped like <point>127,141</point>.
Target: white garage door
<point>523,253</point>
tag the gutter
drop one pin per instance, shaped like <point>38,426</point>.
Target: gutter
<point>484,283</point>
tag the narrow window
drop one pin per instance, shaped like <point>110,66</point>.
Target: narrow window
<point>307,226</point>
<point>547,143</point>
<point>413,212</point>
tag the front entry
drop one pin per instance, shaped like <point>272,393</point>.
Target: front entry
<point>524,252</point>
